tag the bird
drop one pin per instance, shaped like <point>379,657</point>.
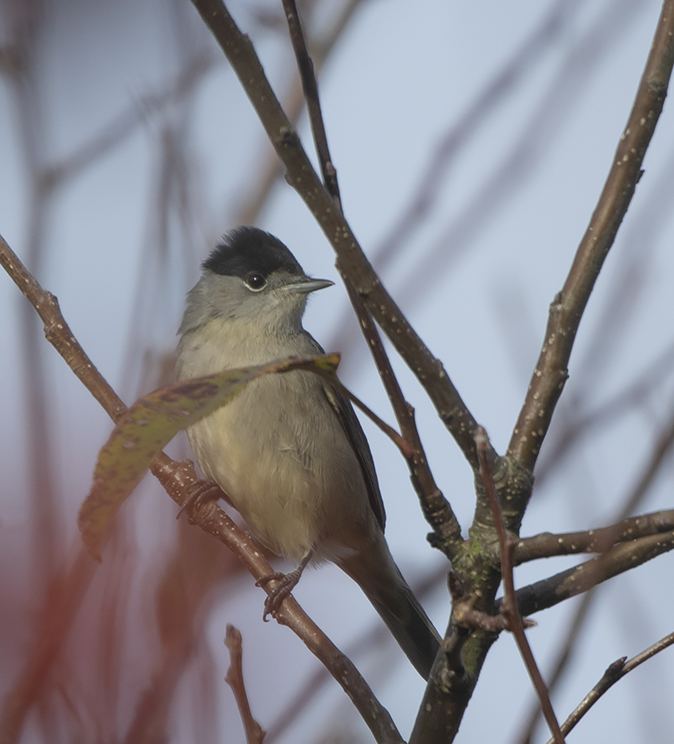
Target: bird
<point>289,451</point>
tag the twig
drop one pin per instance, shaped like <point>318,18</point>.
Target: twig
<point>302,177</point>
<point>436,508</point>
<point>64,597</point>
<point>602,540</point>
<point>399,441</point>
<point>122,125</point>
<point>432,182</point>
<point>613,673</point>
<point>378,636</point>
<point>184,596</point>
<point>452,143</point>
<point>548,544</point>
<point>254,732</point>
<point>310,88</point>
<point>576,580</point>
<point>294,101</point>
<point>178,479</point>
<point>58,333</point>
<point>216,522</point>
<point>567,308</point>
<point>634,393</point>
<point>565,648</point>
<point>45,520</point>
<point>509,607</point>
<point>558,101</point>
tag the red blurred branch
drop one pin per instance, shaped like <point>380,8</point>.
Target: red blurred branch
<point>509,607</point>
<point>254,732</point>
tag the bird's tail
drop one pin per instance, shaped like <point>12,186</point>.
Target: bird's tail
<point>375,571</point>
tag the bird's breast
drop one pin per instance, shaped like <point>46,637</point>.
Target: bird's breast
<point>281,455</point>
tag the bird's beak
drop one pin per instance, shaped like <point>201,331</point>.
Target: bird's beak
<point>309,285</point>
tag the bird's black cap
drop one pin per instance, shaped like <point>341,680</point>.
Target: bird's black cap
<point>247,249</point>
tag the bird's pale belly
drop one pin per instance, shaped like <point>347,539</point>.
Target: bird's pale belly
<point>263,450</point>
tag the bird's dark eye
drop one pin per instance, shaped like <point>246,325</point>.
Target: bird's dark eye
<point>256,282</point>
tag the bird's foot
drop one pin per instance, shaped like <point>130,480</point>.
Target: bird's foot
<point>286,583</point>
<point>199,493</point>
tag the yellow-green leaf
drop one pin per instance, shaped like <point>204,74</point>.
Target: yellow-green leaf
<point>151,422</point>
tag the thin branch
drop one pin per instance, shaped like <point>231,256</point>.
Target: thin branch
<point>661,451</point>
<point>124,124</point>
<point>567,308</point>
<point>432,263</point>
<point>555,105</point>
<point>272,170</point>
<point>632,395</point>
<point>435,507</point>
<point>65,594</point>
<point>547,544</point>
<point>47,529</point>
<point>399,441</point>
<point>302,177</point>
<point>254,732</point>
<point>58,333</point>
<point>509,606</point>
<point>613,673</point>
<point>310,88</point>
<point>623,557</point>
<point>378,636</point>
<point>184,596</point>
<point>565,647</point>
<point>602,540</point>
<point>178,479</point>
<point>509,76</point>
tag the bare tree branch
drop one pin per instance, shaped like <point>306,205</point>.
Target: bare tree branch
<point>254,732</point>
<point>377,637</point>
<point>567,308</point>
<point>436,509</point>
<point>579,579</point>
<point>613,673</point>
<point>272,170</point>
<point>599,540</point>
<point>310,88</point>
<point>64,596</point>
<point>523,61</point>
<point>59,334</point>
<point>632,395</point>
<point>126,122</point>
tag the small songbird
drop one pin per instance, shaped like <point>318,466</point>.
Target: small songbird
<point>289,451</point>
